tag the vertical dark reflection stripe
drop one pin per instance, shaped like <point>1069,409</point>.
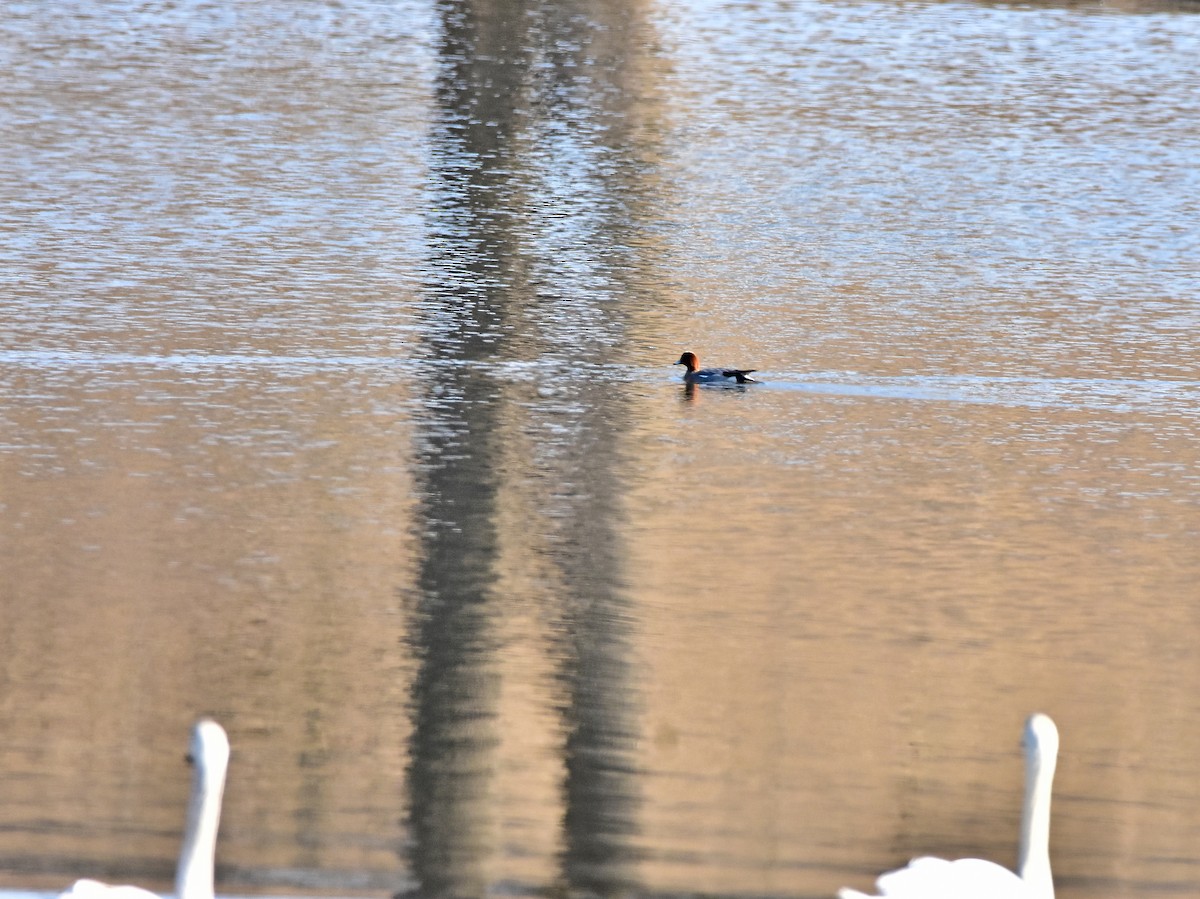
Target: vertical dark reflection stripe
<point>508,70</point>
<point>452,756</point>
<point>600,791</point>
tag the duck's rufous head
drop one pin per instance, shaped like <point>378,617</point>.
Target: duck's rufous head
<point>690,360</point>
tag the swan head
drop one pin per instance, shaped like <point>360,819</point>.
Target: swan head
<point>1041,737</point>
<point>209,749</point>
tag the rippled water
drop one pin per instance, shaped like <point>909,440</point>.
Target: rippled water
<point>336,401</point>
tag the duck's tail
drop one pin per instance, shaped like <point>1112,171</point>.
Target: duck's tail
<point>742,375</point>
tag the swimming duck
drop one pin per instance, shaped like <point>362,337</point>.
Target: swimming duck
<point>697,375</point>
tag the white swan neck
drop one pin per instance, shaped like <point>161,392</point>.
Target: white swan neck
<point>1033,862</point>
<point>197,856</point>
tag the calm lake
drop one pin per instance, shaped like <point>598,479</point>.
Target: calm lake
<point>337,402</point>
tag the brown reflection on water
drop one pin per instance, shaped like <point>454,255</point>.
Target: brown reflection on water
<point>161,561</point>
<point>870,617</point>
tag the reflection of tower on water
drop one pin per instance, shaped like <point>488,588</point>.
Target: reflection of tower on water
<point>507,71</point>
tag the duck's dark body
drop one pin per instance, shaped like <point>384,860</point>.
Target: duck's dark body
<point>697,375</point>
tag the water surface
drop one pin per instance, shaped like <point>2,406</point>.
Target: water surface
<point>336,402</point>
